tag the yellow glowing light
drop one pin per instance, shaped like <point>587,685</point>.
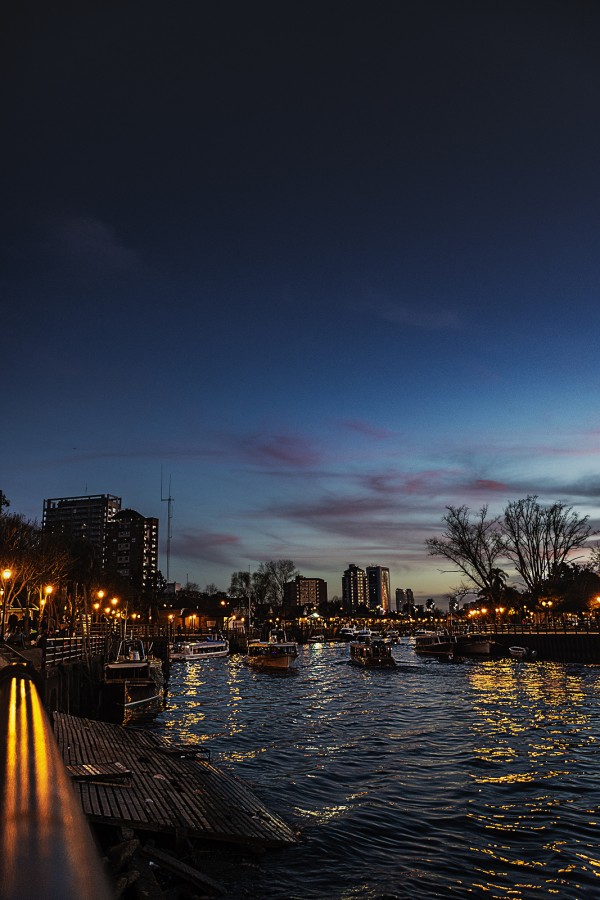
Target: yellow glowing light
<point>6,574</point>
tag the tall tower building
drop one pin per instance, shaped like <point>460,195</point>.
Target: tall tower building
<point>400,599</point>
<point>82,518</point>
<point>378,586</point>
<point>132,548</point>
<point>354,588</point>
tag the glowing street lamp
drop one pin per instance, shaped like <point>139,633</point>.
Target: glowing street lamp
<point>47,591</point>
<point>6,575</point>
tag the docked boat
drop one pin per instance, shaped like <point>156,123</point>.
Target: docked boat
<point>522,653</point>
<point>435,643</point>
<point>317,639</point>
<point>132,681</point>
<point>276,653</point>
<point>347,633</point>
<point>475,645</point>
<point>373,651</point>
<point>189,651</point>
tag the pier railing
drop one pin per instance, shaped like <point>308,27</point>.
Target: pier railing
<point>64,649</point>
<point>46,847</point>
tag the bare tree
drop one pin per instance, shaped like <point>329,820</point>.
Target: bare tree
<point>275,574</point>
<point>539,539</point>
<point>474,546</point>
<point>241,584</point>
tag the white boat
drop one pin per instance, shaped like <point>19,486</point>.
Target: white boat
<point>317,639</point>
<point>193,650</point>
<point>347,633</point>
<point>522,653</point>
<point>372,651</point>
<point>434,643</point>
<point>363,634</point>
<point>276,653</point>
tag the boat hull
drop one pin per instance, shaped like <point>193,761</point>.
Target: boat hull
<point>522,653</point>
<point>277,662</point>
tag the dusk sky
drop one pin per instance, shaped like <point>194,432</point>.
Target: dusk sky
<point>332,267</point>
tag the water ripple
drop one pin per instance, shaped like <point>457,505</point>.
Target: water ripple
<point>430,780</point>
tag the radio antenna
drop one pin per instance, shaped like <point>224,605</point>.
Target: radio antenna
<point>169,501</point>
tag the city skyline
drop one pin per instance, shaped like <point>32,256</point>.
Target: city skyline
<point>322,270</point>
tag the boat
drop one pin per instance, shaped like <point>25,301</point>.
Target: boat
<point>317,639</point>
<point>363,634</point>
<point>193,650</point>
<point>347,633</point>
<point>435,643</point>
<point>373,651</point>
<point>393,636</point>
<point>475,645</point>
<point>522,653</point>
<point>132,681</point>
<point>276,653</point>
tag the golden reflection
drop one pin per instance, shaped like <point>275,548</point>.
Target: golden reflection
<point>529,724</point>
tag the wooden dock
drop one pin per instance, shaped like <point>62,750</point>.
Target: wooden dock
<point>134,778</point>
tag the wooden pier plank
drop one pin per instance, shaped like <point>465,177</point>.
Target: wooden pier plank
<point>166,789</point>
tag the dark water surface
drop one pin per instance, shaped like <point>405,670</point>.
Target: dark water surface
<point>431,780</point>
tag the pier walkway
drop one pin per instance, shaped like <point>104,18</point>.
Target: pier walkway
<point>133,777</point>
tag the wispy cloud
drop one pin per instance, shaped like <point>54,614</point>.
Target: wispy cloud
<point>279,450</point>
<point>85,242</point>
<point>366,429</point>
<point>208,546</point>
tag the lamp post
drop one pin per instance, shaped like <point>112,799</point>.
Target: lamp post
<point>6,575</point>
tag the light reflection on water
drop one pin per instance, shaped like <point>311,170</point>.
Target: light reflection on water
<point>431,780</point>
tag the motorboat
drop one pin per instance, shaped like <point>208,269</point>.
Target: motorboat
<point>132,680</point>
<point>276,653</point>
<point>347,633</point>
<point>207,648</point>
<point>372,651</point>
<point>393,636</point>
<point>473,644</point>
<point>522,653</point>
<point>435,643</point>
<point>317,639</point>
<point>362,634</point>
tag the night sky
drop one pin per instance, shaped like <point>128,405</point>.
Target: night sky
<point>330,266</point>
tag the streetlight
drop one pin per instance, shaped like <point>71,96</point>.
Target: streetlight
<point>6,574</point>
<point>47,591</point>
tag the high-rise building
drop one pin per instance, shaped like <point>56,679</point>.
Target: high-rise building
<point>378,587</point>
<point>82,518</point>
<point>400,599</point>
<point>132,548</point>
<point>354,588</point>
<point>304,592</point>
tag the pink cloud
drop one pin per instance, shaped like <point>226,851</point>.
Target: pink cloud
<point>281,450</point>
<point>487,484</point>
<point>368,430</point>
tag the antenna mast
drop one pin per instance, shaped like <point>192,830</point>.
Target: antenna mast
<point>169,502</point>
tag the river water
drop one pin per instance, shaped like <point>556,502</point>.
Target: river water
<point>434,779</point>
